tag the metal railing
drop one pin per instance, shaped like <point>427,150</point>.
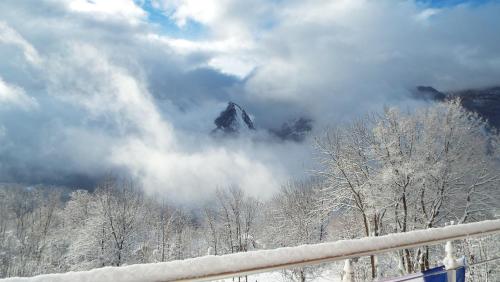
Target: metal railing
<point>240,264</point>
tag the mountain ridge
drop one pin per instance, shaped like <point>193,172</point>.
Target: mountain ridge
<point>483,101</point>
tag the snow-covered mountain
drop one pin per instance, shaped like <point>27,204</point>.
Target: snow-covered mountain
<point>233,120</point>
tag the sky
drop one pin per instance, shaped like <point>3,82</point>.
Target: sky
<point>451,3</point>
<point>89,88</point>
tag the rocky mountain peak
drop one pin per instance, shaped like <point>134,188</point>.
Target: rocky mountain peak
<point>233,120</point>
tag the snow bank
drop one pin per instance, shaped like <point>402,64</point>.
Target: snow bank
<point>217,267</point>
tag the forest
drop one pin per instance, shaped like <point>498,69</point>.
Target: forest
<point>387,172</point>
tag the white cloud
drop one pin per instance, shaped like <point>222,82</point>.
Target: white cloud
<point>14,95</point>
<point>237,66</point>
<point>184,46</point>
<point>426,14</point>
<point>148,146</point>
<point>340,57</point>
<point>124,10</point>
<point>190,176</point>
<point>10,36</point>
<point>227,55</point>
<point>205,12</point>
<point>321,53</point>
<point>117,93</point>
<point>234,27</point>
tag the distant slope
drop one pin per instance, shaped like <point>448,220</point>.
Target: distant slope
<point>485,101</point>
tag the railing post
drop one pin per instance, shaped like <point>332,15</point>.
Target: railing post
<point>450,263</point>
<point>348,272</point>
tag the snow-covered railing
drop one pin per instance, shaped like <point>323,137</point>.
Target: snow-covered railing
<point>218,267</point>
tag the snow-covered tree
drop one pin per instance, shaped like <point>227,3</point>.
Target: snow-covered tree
<point>85,225</point>
<point>396,172</point>
<point>29,222</point>
<point>291,220</point>
<point>121,203</point>
<point>231,221</point>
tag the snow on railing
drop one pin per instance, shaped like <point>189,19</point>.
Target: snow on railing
<point>240,264</point>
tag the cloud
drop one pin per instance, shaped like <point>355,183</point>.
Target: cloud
<point>349,55</point>
<point>114,91</point>
<point>226,55</point>
<point>342,57</point>
<point>142,141</point>
<point>11,94</point>
<point>121,10</point>
<point>205,12</point>
<point>11,36</point>
<point>234,28</point>
<point>426,14</point>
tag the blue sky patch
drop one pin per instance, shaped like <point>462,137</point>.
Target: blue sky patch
<point>191,30</point>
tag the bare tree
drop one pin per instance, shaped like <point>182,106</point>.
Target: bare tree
<point>291,220</point>
<point>29,219</point>
<point>397,172</point>
<point>120,202</point>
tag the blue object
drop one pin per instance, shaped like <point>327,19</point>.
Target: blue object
<point>440,274</point>
<point>437,274</point>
